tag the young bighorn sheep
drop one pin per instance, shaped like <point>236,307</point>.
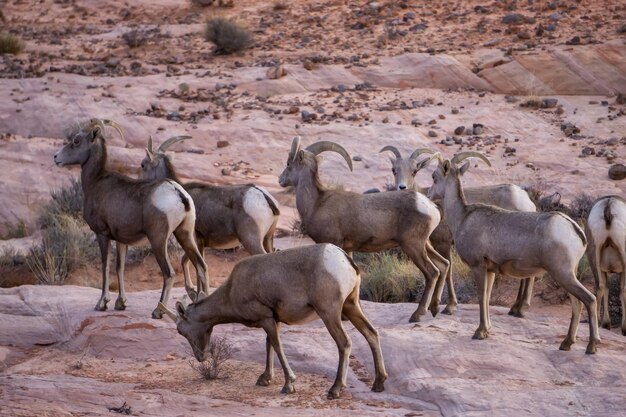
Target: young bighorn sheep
<point>518,244</point>
<point>606,231</point>
<point>226,215</point>
<point>126,210</point>
<point>506,196</point>
<point>294,286</point>
<point>365,222</point>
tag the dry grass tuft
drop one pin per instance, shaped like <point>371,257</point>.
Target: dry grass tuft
<point>220,351</point>
<point>389,277</point>
<point>10,44</point>
<point>227,35</point>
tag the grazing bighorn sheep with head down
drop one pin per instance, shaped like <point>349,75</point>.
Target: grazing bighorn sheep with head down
<point>518,244</point>
<point>365,222</point>
<point>226,215</point>
<point>126,210</point>
<point>293,286</point>
<point>606,230</point>
<point>506,196</point>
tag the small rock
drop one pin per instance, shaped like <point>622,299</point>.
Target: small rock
<point>386,120</point>
<point>550,102</point>
<point>513,19</point>
<point>226,171</point>
<point>459,130</point>
<point>622,29</point>
<point>112,62</point>
<point>617,172</point>
<point>432,133</point>
<point>588,150</point>
<point>372,191</point>
<point>222,143</point>
<point>511,99</point>
<point>276,72</point>
<point>523,35</point>
<point>551,27</point>
<point>574,41</point>
<point>342,88</point>
<point>357,158</point>
<point>478,129</point>
<point>455,110</point>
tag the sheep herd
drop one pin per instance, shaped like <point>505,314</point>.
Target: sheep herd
<point>495,229</point>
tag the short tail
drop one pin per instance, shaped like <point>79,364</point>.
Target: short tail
<point>270,200</point>
<point>576,227</point>
<point>608,215</point>
<point>184,199</point>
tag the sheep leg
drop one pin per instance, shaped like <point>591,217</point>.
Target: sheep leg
<point>105,245</point>
<point>431,274</point>
<point>159,248</point>
<point>522,295</point>
<point>250,236</point>
<point>443,266</point>
<point>602,298</point>
<point>332,320</point>
<point>569,282</point>
<point>481,277</point>
<point>622,289</point>
<point>271,328</point>
<point>187,241</point>
<point>352,310</point>
<point>120,261</point>
<point>266,377</point>
<point>491,277</point>
<point>268,239</point>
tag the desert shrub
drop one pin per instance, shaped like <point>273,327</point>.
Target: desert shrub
<point>279,6</point>
<point>66,244</point>
<point>202,3</point>
<point>135,38</point>
<point>65,201</point>
<point>228,36</point>
<point>389,277</point>
<point>580,207</point>
<point>10,44</point>
<point>464,284</point>
<point>615,304</point>
<point>220,351</point>
<point>14,231</point>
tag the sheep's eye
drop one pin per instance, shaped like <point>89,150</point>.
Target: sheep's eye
<point>393,170</point>
<point>414,172</point>
<point>143,165</point>
<point>76,141</point>
<point>434,176</point>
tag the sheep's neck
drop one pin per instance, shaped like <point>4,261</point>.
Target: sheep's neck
<point>94,167</point>
<point>217,308</point>
<point>170,172</point>
<point>308,193</point>
<point>454,203</point>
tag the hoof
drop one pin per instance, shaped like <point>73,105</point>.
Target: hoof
<point>434,310</point>
<point>334,393</point>
<point>623,332</point>
<point>379,386</point>
<point>516,313</point>
<point>287,390</point>
<point>101,305</point>
<point>566,345</point>
<point>264,380</point>
<point>607,325</point>
<point>156,314</point>
<point>592,347</point>
<point>449,310</point>
<point>120,304</point>
<point>480,334</point>
<point>415,317</point>
<point>192,294</point>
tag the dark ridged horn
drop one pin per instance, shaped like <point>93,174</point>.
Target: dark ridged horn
<point>420,151</point>
<point>174,139</point>
<point>469,154</point>
<point>424,162</point>
<point>101,123</point>
<point>295,147</point>
<point>391,149</point>
<point>149,148</point>
<point>168,312</point>
<point>325,145</point>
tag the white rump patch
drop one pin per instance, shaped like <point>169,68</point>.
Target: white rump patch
<point>255,205</point>
<point>166,198</point>
<point>337,264</point>
<point>521,200</point>
<point>561,229</point>
<point>597,224</point>
<point>427,207</point>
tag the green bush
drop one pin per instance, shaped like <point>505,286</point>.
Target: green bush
<point>65,201</point>
<point>389,277</point>
<point>228,36</point>
<point>10,44</point>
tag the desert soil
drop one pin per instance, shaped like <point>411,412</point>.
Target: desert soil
<point>363,74</point>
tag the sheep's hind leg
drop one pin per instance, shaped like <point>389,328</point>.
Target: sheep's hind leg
<point>443,266</point>
<point>105,245</point>
<point>268,375</point>
<point>481,276</point>
<point>120,261</point>
<point>431,274</point>
<point>332,320</point>
<point>187,241</point>
<point>159,248</point>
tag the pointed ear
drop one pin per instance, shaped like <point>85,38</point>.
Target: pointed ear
<point>180,310</point>
<point>201,295</point>
<point>300,155</point>
<point>95,133</point>
<point>446,166</point>
<point>150,155</point>
<point>464,168</point>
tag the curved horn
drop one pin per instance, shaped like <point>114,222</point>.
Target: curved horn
<point>469,154</point>
<point>424,162</point>
<point>101,123</point>
<point>420,151</point>
<point>169,313</point>
<point>295,147</point>
<point>149,148</point>
<point>325,145</point>
<point>391,149</point>
<point>170,142</point>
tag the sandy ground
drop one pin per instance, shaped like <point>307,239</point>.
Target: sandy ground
<point>404,73</point>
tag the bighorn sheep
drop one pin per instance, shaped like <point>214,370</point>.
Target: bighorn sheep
<point>365,222</point>
<point>606,231</point>
<point>294,286</point>
<point>519,244</point>
<point>226,215</point>
<point>126,210</point>
<point>506,196</point>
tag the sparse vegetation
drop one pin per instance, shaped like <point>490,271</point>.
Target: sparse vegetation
<point>220,351</point>
<point>389,277</point>
<point>14,231</point>
<point>135,38</point>
<point>280,5</point>
<point>464,284</point>
<point>227,35</point>
<point>10,44</point>
<point>65,201</point>
<point>202,3</point>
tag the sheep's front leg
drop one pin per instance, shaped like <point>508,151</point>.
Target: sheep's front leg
<point>481,279</point>
<point>120,260</point>
<point>105,245</point>
<point>271,328</point>
<point>622,289</point>
<point>266,377</point>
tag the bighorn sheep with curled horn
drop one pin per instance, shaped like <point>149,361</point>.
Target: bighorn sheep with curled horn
<point>294,286</point>
<point>606,230</point>
<point>506,196</point>
<point>226,215</point>
<point>365,222</point>
<point>126,210</point>
<point>518,244</point>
